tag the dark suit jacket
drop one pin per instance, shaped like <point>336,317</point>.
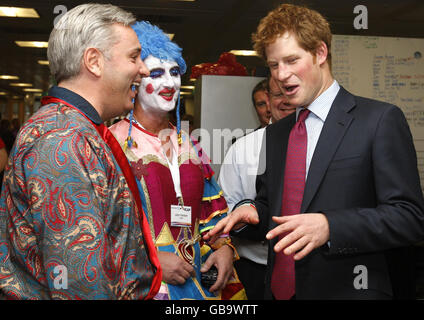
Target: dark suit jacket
<point>363,176</point>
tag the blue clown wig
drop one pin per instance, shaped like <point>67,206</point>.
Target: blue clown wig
<point>156,43</point>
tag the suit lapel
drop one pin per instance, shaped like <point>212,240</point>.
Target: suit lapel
<point>335,126</point>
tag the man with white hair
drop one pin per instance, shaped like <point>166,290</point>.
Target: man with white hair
<point>71,221</point>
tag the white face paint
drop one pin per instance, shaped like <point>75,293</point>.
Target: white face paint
<point>159,92</point>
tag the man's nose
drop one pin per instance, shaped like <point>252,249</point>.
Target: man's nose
<point>143,70</point>
<point>283,73</point>
<point>268,107</point>
<point>168,81</point>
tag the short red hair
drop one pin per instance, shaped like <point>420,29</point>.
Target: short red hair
<point>307,25</point>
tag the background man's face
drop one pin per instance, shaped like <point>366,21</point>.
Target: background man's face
<point>279,104</point>
<point>262,107</point>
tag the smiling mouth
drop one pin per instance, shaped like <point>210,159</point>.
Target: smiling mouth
<point>168,95</point>
<point>288,109</point>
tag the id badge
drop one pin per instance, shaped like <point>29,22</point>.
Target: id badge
<point>180,216</point>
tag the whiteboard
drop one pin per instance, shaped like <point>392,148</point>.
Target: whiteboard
<point>386,69</point>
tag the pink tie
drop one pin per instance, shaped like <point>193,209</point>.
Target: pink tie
<point>283,275</point>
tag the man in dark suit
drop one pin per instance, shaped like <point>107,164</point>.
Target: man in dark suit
<point>361,206</point>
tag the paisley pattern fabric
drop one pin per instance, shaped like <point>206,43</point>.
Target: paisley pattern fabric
<point>200,192</point>
<point>69,226</point>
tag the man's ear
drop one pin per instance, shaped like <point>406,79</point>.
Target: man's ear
<point>321,53</point>
<point>93,61</point>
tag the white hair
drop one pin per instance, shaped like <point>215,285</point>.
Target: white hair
<point>85,26</point>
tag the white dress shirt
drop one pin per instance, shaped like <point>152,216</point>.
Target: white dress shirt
<point>237,178</point>
<point>319,109</point>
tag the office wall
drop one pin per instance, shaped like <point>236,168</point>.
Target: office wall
<point>223,109</point>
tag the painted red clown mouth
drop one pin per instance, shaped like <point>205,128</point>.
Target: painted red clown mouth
<point>167,94</point>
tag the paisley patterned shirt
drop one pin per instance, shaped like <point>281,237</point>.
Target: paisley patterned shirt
<point>69,226</point>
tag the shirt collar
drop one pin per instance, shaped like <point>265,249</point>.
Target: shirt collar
<point>77,101</point>
<point>321,106</point>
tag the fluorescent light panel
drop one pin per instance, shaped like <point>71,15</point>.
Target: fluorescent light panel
<point>8,77</point>
<point>20,84</point>
<point>32,44</point>
<point>32,90</point>
<point>43,62</point>
<point>244,52</point>
<point>187,87</point>
<point>18,12</point>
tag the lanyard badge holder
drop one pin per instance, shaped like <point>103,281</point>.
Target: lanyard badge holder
<point>180,214</point>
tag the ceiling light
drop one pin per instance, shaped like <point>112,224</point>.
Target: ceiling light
<point>43,62</point>
<point>187,87</point>
<point>20,84</point>
<point>185,93</point>
<point>8,77</point>
<point>244,52</point>
<point>18,12</point>
<point>32,90</point>
<point>32,44</point>
<point>2,93</point>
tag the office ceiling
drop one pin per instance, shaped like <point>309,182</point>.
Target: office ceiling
<point>203,28</point>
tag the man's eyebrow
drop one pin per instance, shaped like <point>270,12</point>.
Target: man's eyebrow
<point>291,56</point>
<point>136,50</point>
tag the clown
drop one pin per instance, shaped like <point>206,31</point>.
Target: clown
<point>180,197</point>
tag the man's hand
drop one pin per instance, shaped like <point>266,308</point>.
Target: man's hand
<point>222,259</point>
<point>175,269</point>
<point>303,233</point>
<point>235,220</point>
